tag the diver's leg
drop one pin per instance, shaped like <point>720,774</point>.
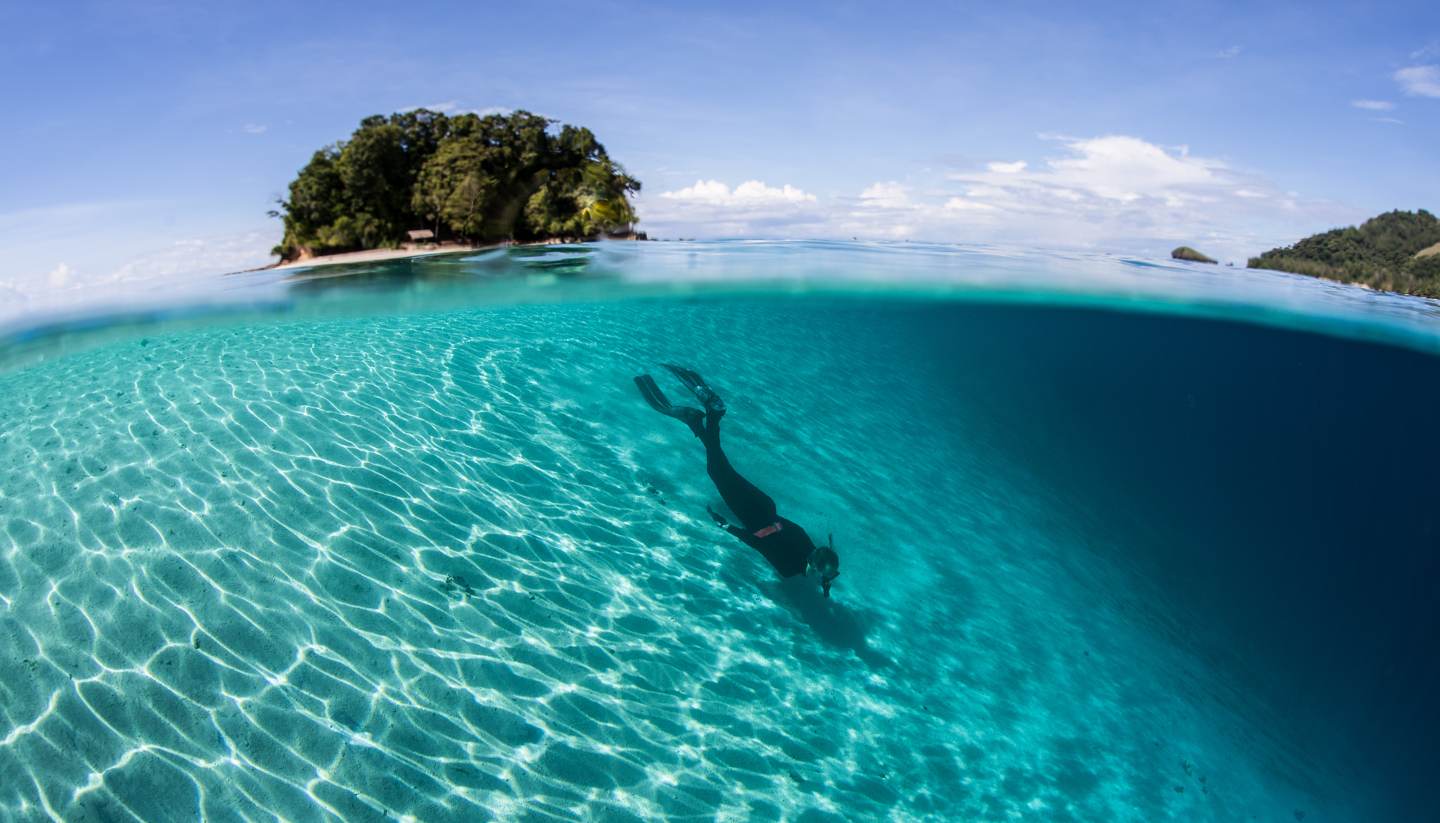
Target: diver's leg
<point>754,508</point>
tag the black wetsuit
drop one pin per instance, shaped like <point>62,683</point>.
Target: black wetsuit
<point>787,547</point>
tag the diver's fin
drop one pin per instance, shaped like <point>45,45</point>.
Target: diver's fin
<point>652,394</point>
<point>660,403</point>
<point>697,386</point>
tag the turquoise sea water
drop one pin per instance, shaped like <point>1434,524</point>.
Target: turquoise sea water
<point>1120,540</point>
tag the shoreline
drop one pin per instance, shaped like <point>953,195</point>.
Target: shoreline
<point>380,255</point>
<point>376,255</point>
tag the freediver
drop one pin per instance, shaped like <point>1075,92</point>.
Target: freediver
<point>782,542</point>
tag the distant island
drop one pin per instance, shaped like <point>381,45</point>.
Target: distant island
<point>1187,253</point>
<point>1397,251</point>
<point>421,176</point>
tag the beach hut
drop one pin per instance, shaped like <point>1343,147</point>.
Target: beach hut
<point>421,236</point>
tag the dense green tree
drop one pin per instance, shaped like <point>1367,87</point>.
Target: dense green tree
<point>455,187</point>
<point>316,200</point>
<point>376,176</point>
<point>481,179</point>
<point>1381,253</point>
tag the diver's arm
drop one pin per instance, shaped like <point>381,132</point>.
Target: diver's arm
<point>746,537</point>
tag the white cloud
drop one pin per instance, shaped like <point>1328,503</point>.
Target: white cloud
<point>748,194</point>
<point>1394,121</point>
<point>1116,192</point>
<point>712,208</point>
<point>889,195</point>
<point>443,108</point>
<point>1113,186</point>
<point>197,256</point>
<point>1123,192</point>
<point>1427,51</point>
<point>255,128</point>
<point>1226,54</point>
<point>1419,81</point>
<point>185,269</point>
<point>59,276</point>
<point>966,204</point>
<point>1116,167</point>
<point>1373,105</point>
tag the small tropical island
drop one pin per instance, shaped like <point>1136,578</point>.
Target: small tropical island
<point>1187,253</point>
<point>1397,251</point>
<point>424,179</point>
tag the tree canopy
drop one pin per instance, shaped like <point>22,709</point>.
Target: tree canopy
<point>470,178</point>
<point>1383,252</point>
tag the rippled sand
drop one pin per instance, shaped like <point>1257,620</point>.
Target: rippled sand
<point>449,567</point>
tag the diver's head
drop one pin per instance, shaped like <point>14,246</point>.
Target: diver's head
<point>824,563</point>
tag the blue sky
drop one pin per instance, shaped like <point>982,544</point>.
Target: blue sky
<point>150,138</point>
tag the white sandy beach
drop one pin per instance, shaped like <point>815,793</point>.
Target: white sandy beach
<point>374,255</point>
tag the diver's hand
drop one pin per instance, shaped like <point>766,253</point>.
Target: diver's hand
<point>717,517</point>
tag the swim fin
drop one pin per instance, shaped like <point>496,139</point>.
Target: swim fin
<point>698,387</point>
<point>659,402</point>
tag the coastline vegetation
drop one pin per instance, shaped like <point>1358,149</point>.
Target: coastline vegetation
<point>1390,252</point>
<point>465,178</point>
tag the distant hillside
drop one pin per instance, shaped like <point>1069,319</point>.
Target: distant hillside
<point>1384,252</point>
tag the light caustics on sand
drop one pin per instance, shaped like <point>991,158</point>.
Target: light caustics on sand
<point>441,563</point>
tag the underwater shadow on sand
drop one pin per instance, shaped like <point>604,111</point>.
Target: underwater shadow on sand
<point>835,623</point>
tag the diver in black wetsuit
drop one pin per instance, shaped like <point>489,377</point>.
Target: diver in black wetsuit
<point>782,542</point>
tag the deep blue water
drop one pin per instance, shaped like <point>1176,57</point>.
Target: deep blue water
<point>1120,540</point>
